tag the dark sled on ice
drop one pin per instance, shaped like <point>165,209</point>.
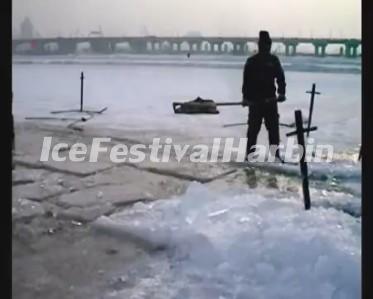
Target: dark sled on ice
<point>200,106</point>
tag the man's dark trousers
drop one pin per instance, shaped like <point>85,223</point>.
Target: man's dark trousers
<point>268,112</point>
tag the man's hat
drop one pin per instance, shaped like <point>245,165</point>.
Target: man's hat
<point>264,37</point>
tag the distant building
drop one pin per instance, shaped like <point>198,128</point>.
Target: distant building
<point>27,29</point>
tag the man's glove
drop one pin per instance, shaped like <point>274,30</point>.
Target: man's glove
<point>245,102</point>
<point>281,98</point>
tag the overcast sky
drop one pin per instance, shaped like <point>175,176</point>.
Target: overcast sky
<point>318,18</point>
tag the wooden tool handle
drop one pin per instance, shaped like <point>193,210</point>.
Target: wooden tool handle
<point>229,104</point>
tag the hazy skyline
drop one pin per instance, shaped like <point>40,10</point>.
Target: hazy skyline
<point>318,18</point>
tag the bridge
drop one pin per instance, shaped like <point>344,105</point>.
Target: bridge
<point>178,45</point>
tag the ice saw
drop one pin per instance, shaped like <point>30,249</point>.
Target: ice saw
<point>207,106</point>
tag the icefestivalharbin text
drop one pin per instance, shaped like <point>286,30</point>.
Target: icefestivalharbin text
<point>222,150</point>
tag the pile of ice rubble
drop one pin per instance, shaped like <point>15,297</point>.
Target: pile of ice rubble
<point>241,245</point>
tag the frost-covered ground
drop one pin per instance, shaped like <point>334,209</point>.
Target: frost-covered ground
<point>241,245</point>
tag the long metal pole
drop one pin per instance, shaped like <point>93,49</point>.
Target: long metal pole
<point>12,125</point>
<point>303,163</point>
<point>311,108</point>
<point>81,90</point>
<point>228,104</point>
<point>313,92</point>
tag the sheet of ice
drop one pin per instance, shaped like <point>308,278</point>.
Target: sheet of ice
<point>139,97</point>
<point>243,245</point>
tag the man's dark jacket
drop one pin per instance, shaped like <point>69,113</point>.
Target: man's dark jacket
<point>260,73</point>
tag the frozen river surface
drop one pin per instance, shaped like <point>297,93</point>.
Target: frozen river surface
<point>139,92</point>
<point>236,243</point>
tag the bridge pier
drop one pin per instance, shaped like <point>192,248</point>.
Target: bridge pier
<point>351,49</point>
<point>112,47</point>
<point>221,48</point>
<point>341,51</point>
<point>178,48</point>
<point>238,49</point>
<point>294,49</point>
<point>354,51</point>
<point>100,46</point>
<point>158,47</point>
<point>316,49</point>
<point>320,49</point>
<point>248,51</point>
<point>291,49</point>
<point>225,48</point>
<point>37,48</point>
<point>200,47</point>
<point>153,47</point>
<point>195,48</point>
<point>215,48</point>
<point>175,47</point>
<point>66,46</point>
<point>348,50</point>
<point>140,46</point>
<point>204,46</point>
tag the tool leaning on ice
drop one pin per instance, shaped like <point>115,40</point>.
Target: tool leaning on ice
<point>259,76</point>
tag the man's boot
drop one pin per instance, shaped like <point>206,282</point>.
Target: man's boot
<point>278,157</point>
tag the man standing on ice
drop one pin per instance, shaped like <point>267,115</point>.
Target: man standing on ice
<point>259,93</point>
